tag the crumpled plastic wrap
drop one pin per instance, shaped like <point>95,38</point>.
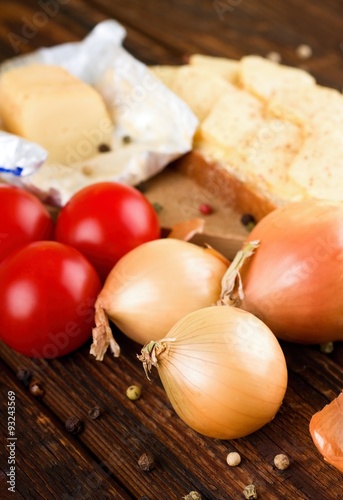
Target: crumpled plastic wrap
<point>152,125</point>
<point>19,157</point>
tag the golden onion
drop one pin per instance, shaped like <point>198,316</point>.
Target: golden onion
<point>152,287</point>
<point>223,370</point>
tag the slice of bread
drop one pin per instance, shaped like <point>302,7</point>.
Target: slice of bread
<point>268,135</point>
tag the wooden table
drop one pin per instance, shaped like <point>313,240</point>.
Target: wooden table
<point>102,460</point>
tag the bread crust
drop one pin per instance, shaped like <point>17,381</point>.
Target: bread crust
<point>220,183</point>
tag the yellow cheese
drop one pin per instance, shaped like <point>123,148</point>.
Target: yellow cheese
<point>48,105</point>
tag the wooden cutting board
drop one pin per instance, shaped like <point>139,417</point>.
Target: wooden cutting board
<point>178,198</point>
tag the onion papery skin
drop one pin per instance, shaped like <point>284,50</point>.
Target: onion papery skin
<point>159,282</point>
<point>294,281</point>
<point>224,372</point>
<point>326,429</point>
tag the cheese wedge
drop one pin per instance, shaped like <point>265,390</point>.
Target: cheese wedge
<point>48,105</point>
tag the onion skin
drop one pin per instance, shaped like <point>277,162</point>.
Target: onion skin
<point>152,287</point>
<point>326,429</point>
<point>294,281</point>
<point>223,370</point>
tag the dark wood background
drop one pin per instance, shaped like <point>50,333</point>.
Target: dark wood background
<point>101,461</point>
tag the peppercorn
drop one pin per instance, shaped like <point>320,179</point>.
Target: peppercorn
<point>193,495</point>
<point>281,461</point>
<point>248,221</point>
<point>104,148</point>
<point>304,51</point>
<point>35,389</point>
<point>87,171</point>
<point>134,392</point>
<point>94,413</point>
<point>146,462</point>
<point>158,207</point>
<point>250,492</point>
<point>205,209</point>
<point>142,187</point>
<point>327,347</point>
<point>233,459</point>
<point>24,376</point>
<point>73,425</point>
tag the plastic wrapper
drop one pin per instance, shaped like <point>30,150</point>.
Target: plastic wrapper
<point>152,125</point>
<point>19,157</point>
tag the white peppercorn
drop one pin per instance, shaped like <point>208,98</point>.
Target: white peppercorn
<point>233,459</point>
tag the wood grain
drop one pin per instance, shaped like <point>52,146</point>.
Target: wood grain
<point>102,461</point>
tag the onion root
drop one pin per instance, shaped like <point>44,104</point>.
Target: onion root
<point>102,335</point>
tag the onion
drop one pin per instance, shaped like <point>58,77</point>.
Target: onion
<point>223,370</point>
<point>326,428</point>
<point>294,281</point>
<point>152,287</point>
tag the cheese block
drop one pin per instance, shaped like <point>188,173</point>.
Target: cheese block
<point>271,137</point>
<point>48,105</point>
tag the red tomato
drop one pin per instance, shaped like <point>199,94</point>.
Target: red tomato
<point>106,220</point>
<point>23,219</point>
<point>47,294</point>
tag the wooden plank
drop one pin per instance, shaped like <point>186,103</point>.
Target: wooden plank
<point>48,462</point>
<point>55,464</point>
<point>183,458</point>
<point>237,28</point>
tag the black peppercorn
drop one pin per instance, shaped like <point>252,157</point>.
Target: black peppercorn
<point>142,187</point>
<point>248,219</point>
<point>94,413</point>
<point>74,425</point>
<point>104,148</point>
<point>146,462</point>
<point>24,376</point>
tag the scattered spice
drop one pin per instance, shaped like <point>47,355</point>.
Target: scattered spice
<point>233,459</point>
<point>94,413</point>
<point>158,207</point>
<point>193,495</point>
<point>104,148</point>
<point>205,209</point>
<point>142,187</point>
<point>281,461</point>
<point>274,57</point>
<point>87,170</point>
<point>304,51</point>
<point>134,392</point>
<point>326,348</point>
<point>35,389</point>
<point>146,462</point>
<point>127,139</point>
<point>73,425</point>
<point>250,492</point>
<point>248,221</point>
<point>24,376</point>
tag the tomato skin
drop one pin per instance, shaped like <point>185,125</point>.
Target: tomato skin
<point>106,220</point>
<point>24,219</point>
<point>47,294</point>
